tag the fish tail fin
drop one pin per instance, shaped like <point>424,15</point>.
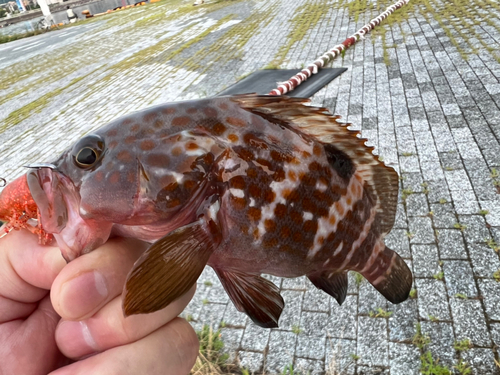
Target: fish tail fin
<point>389,274</point>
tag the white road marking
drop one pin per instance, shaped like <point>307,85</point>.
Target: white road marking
<point>36,45</point>
<point>28,46</point>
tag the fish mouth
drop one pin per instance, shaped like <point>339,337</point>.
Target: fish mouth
<point>58,202</point>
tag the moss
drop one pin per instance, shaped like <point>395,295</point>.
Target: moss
<point>305,18</point>
<point>35,106</point>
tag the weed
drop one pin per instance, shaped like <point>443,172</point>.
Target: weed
<point>288,370</point>
<point>205,301</point>
<point>462,345</point>
<point>405,193</point>
<point>432,318</point>
<point>413,293</point>
<point>443,201</point>
<point>296,329</point>
<point>410,235</point>
<point>494,173</point>
<point>492,244</point>
<point>430,214</point>
<point>484,212</point>
<point>408,153</point>
<point>461,296</point>
<point>358,278</point>
<point>222,324</point>
<point>462,367</point>
<point>439,275</point>
<point>462,227</point>
<point>355,357</point>
<point>208,283</point>
<point>431,366</point>
<point>210,359</point>
<point>496,275</point>
<point>189,317</point>
<point>420,340</point>
<point>380,313</point>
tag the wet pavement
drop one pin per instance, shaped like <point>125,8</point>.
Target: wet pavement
<point>424,91</point>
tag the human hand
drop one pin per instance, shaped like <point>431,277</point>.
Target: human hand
<point>83,330</point>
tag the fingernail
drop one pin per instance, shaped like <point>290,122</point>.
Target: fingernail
<point>75,339</point>
<point>83,294</point>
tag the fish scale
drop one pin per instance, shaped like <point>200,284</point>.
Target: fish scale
<point>247,184</point>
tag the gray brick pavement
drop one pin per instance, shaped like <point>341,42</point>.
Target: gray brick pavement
<point>431,114</point>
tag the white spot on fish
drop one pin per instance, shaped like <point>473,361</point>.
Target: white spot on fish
<point>178,176</point>
<point>307,216</point>
<point>252,202</point>
<point>237,192</point>
<point>321,186</point>
<point>214,209</point>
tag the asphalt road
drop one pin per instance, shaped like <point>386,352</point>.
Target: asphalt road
<point>17,50</point>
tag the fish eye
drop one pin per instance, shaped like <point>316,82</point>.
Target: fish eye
<point>88,151</point>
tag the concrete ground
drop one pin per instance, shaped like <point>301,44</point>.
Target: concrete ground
<point>424,90</point>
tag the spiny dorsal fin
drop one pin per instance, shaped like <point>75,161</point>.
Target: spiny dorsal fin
<point>317,122</point>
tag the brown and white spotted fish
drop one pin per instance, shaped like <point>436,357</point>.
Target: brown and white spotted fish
<point>247,184</point>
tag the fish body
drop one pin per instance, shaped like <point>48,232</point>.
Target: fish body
<point>246,184</point>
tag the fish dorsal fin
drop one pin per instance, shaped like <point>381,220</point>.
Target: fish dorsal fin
<point>318,122</point>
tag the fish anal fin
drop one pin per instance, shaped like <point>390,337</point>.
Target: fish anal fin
<point>252,294</point>
<point>390,275</point>
<point>168,269</point>
<point>331,282</point>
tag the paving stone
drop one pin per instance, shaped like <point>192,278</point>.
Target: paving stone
<point>339,356</point>
<point>372,341</point>
<point>342,322</point>
<point>443,215</point>
<point>425,260</point>
<point>459,278</point>
<point>485,260</point>
<point>490,290</point>
<point>404,359</point>
<point>313,323</point>
<point>482,361</point>
<point>251,361</point>
<point>290,316</point>
<point>231,337</point>
<point>451,244</point>
<point>476,230</point>
<point>281,351</point>
<point>441,341</point>
<point>397,240</point>
<point>370,299</point>
<point>416,205</point>
<point>312,347</point>
<point>432,300</point>
<point>469,321</point>
<point>402,321</point>
<point>255,338</point>
<point>312,366</point>
<point>421,228</point>
<point>316,300</point>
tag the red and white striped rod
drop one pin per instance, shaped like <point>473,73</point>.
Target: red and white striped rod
<point>313,68</point>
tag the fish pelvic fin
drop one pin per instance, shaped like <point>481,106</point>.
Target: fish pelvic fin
<point>390,275</point>
<point>252,294</point>
<point>332,283</point>
<point>169,268</point>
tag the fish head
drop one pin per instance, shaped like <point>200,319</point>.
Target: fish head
<point>130,172</point>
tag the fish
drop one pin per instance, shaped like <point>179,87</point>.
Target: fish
<point>247,184</point>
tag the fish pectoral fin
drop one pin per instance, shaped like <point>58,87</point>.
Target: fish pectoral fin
<point>390,275</point>
<point>331,282</point>
<point>259,298</point>
<point>169,268</point>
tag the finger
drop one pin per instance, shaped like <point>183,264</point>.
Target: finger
<point>27,269</point>
<point>92,280</point>
<point>171,350</point>
<point>29,343</point>
<point>109,328</point>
